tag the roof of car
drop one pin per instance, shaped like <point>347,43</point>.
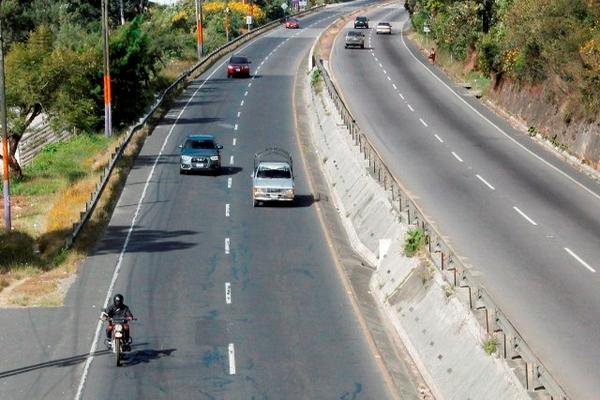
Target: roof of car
<point>200,136</point>
<point>361,17</point>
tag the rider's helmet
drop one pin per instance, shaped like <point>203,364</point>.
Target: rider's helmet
<point>118,300</point>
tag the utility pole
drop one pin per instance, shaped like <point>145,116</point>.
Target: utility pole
<point>227,24</point>
<point>107,89</point>
<point>3,121</point>
<point>122,13</point>
<point>200,37</point>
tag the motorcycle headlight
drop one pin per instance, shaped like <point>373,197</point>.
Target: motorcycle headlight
<point>186,159</point>
<point>214,158</point>
<point>118,328</point>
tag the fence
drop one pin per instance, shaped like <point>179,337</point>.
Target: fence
<point>511,345</point>
<point>180,82</point>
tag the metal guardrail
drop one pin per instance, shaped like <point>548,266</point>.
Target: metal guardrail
<point>208,61</point>
<point>510,344</point>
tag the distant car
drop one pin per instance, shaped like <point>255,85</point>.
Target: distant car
<point>292,23</point>
<point>238,66</point>
<point>361,22</point>
<point>384,27</point>
<point>200,153</point>
<point>355,39</point>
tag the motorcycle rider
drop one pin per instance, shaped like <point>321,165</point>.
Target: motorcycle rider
<point>118,310</point>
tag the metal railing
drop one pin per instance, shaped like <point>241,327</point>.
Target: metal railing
<point>510,344</point>
<point>180,82</point>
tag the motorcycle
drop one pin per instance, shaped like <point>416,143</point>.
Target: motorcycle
<point>120,341</point>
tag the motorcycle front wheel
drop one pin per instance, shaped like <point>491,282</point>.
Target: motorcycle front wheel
<point>117,348</point>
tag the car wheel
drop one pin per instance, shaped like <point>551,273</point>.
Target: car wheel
<point>181,172</point>
<point>362,46</point>
<point>254,203</point>
<point>345,46</point>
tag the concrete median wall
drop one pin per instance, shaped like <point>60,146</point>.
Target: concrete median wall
<point>441,334</point>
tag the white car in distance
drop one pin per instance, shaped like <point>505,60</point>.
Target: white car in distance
<point>384,28</point>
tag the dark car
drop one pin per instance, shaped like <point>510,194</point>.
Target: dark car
<point>238,66</point>
<point>292,23</point>
<point>200,153</point>
<point>361,22</point>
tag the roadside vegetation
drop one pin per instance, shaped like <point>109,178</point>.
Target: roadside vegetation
<point>414,241</point>
<point>54,68</point>
<point>526,42</point>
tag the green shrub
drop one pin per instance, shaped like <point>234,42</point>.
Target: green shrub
<point>490,346</point>
<point>414,241</point>
<point>16,248</point>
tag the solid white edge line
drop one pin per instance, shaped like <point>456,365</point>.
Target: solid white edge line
<point>485,182</point>
<point>229,182</point>
<point>575,256</point>
<point>564,174</point>
<point>439,138</point>
<point>532,222</point>
<point>227,244</point>
<point>115,275</point>
<point>231,353</point>
<point>457,156</point>
<point>227,210</point>
<point>227,293</point>
<point>423,122</point>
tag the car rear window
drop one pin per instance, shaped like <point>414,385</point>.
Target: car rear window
<point>238,60</point>
<point>384,24</point>
<point>354,33</point>
<point>274,173</point>
<point>362,19</point>
<point>199,144</point>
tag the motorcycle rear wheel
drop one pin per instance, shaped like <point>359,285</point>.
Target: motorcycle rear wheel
<point>117,349</point>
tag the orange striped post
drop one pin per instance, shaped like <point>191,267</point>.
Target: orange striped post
<point>5,154</point>
<point>107,88</point>
<point>199,32</point>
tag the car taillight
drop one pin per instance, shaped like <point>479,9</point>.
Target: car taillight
<point>230,67</point>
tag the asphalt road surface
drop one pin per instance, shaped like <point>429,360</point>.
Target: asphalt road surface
<point>233,302</point>
<point>528,222</point>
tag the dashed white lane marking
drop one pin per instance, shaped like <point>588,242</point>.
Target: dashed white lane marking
<point>229,182</point>
<point>402,97</point>
<point>246,93</point>
<point>423,122</point>
<point>231,160</point>
<point>575,256</point>
<point>486,183</point>
<point>376,59</point>
<point>389,79</point>
<point>227,210</point>
<point>235,127</point>
<point>242,103</point>
<point>457,156</point>
<point>395,87</point>
<point>227,243</point>
<point>239,113</point>
<point>532,222</point>
<point>266,58</point>
<point>227,293</point>
<point>234,141</point>
<point>439,138</point>
<point>380,65</point>
<point>250,84</point>
<point>385,72</point>
<point>231,351</point>
<point>410,108</point>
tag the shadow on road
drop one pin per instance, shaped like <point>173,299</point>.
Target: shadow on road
<point>301,200</point>
<point>145,356</point>
<point>64,362</point>
<point>144,240</point>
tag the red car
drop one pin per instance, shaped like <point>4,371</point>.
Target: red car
<point>238,66</point>
<point>292,24</point>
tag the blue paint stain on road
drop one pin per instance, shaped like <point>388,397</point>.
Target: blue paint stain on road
<point>354,395</point>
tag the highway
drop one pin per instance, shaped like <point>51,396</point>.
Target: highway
<point>233,302</point>
<point>529,223</point>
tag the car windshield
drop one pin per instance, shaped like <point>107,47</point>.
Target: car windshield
<point>238,60</point>
<point>384,24</point>
<point>352,33</point>
<point>361,19</point>
<point>199,144</point>
<point>274,173</point>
